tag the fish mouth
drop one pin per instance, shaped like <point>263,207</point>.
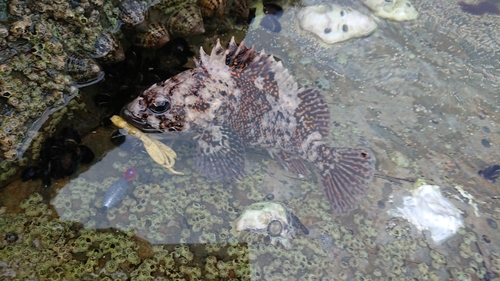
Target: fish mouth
<point>139,123</point>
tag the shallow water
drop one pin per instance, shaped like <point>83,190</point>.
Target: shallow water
<point>421,95</point>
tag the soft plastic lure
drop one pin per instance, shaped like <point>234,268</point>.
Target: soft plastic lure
<point>158,151</point>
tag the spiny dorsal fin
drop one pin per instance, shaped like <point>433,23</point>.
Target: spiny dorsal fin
<point>216,57</point>
<point>242,57</point>
<point>239,56</point>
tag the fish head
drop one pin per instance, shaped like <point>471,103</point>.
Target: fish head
<point>161,108</point>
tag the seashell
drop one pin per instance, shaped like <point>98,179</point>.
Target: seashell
<point>271,23</point>
<point>333,23</point>
<point>212,8</point>
<point>273,9</point>
<point>107,48</point>
<point>186,21</point>
<point>83,69</point>
<point>274,228</point>
<point>273,219</point>
<point>133,12</point>
<point>155,37</point>
<point>240,9</point>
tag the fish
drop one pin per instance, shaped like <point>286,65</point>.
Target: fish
<point>237,98</point>
<point>333,23</point>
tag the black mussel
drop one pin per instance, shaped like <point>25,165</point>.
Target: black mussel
<point>87,155</point>
<point>117,138</point>
<point>271,23</point>
<point>486,238</point>
<point>175,54</point>
<point>178,46</point>
<point>103,100</point>
<point>490,173</point>
<point>297,223</point>
<point>270,196</point>
<point>273,9</point>
<point>45,176</point>
<point>106,121</point>
<point>70,134</point>
<point>251,16</point>
<point>30,173</point>
<point>60,157</point>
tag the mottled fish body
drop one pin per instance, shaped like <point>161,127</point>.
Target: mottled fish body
<point>237,98</point>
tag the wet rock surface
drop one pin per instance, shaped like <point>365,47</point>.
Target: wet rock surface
<point>419,94</point>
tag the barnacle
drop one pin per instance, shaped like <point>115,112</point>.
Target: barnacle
<point>271,218</point>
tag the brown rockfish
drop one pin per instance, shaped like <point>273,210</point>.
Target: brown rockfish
<point>237,98</point>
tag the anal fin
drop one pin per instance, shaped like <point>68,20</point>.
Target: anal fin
<point>346,174</point>
<point>295,165</point>
<point>220,154</point>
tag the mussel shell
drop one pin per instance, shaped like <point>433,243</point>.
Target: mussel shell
<point>83,69</point>
<point>30,173</point>
<point>271,23</point>
<point>155,37</point>
<point>274,228</point>
<point>298,224</point>
<point>117,138</point>
<point>273,9</point>
<point>186,21</point>
<point>69,134</point>
<point>86,154</point>
<point>108,48</point>
<point>212,8</point>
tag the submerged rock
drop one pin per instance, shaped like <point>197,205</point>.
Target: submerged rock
<point>398,10</point>
<point>333,23</point>
<point>427,209</point>
<point>273,219</point>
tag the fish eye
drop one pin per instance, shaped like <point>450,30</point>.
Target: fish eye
<point>160,107</point>
<point>328,30</point>
<point>408,4</point>
<point>345,28</point>
<point>342,13</point>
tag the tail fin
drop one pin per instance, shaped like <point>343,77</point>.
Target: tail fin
<point>346,174</point>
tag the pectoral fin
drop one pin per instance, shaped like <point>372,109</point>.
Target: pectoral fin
<point>220,154</point>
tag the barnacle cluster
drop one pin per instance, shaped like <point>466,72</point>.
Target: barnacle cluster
<point>50,49</point>
<point>36,245</point>
<point>43,63</point>
<point>187,217</point>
